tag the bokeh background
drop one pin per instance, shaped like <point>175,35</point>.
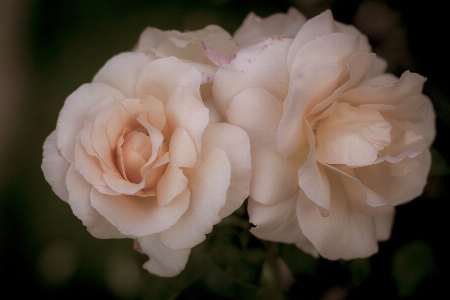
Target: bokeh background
<point>50,47</point>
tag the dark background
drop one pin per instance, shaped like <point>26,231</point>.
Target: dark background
<point>49,48</point>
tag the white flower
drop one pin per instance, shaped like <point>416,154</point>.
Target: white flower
<point>335,142</point>
<point>135,155</point>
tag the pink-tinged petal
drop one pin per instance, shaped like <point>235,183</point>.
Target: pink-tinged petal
<point>208,184</point>
<point>278,223</point>
<point>55,167</point>
<point>274,176</point>
<point>258,112</point>
<point>156,140</point>
<point>122,71</point>
<point>80,202</point>
<point>165,262</point>
<point>182,149</point>
<point>360,198</point>
<point>312,84</point>
<point>320,25</point>
<point>255,29</point>
<point>210,103</point>
<point>153,80</point>
<point>149,39</point>
<point>352,136</point>
<point>312,178</point>
<point>262,65</point>
<point>409,84</point>
<point>406,141</point>
<point>412,109</point>
<point>397,182</point>
<point>171,184</point>
<point>75,112</point>
<point>344,234</point>
<point>334,48</point>
<point>428,127</point>
<point>184,110</point>
<point>216,55</point>
<point>236,144</point>
<point>140,216</point>
<point>383,226</point>
<point>359,63</point>
<point>153,173</point>
<point>378,67</point>
<point>122,186</point>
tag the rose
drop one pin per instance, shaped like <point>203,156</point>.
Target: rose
<point>335,142</point>
<point>134,155</point>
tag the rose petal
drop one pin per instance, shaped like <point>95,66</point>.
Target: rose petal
<point>208,184</point>
<point>184,110</point>
<point>236,144</point>
<point>122,71</point>
<point>312,84</point>
<point>80,202</point>
<point>255,29</point>
<point>383,226</point>
<point>153,80</point>
<point>55,167</point>
<point>171,184</point>
<point>351,136</point>
<point>279,223</point>
<point>75,111</point>
<point>344,234</point>
<point>163,261</point>
<point>259,66</point>
<point>409,84</point>
<point>312,178</point>
<point>139,216</point>
<point>182,149</point>
<point>258,113</point>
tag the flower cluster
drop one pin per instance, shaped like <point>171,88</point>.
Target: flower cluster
<point>298,115</point>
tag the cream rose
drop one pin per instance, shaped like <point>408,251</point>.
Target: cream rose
<point>336,143</point>
<point>135,155</point>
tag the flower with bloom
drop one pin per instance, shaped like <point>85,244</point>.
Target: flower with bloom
<point>336,143</point>
<point>135,155</point>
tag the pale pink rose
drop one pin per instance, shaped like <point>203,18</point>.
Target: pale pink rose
<point>134,155</point>
<point>335,142</point>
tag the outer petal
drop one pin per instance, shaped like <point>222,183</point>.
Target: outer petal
<point>55,167</point>
<point>383,226</point>
<point>255,29</point>
<point>312,84</point>
<point>75,111</point>
<point>261,66</point>
<point>397,182</point>
<point>163,261</point>
<point>80,202</point>
<point>279,223</point>
<point>343,234</point>
<point>140,216</point>
<point>274,176</point>
<point>154,79</point>
<point>208,184</point>
<point>236,144</point>
<point>122,71</point>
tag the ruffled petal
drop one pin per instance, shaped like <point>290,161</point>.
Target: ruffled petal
<point>344,234</point>
<point>140,216</point>
<point>55,167</point>
<point>312,84</point>
<point>279,223</point>
<point>171,184</point>
<point>163,261</point>
<point>255,29</point>
<point>153,80</point>
<point>80,202</point>
<point>208,184</point>
<point>352,136</point>
<point>261,66</point>
<point>236,144</point>
<point>75,112</point>
<point>122,72</point>
<point>182,149</point>
<point>186,111</point>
